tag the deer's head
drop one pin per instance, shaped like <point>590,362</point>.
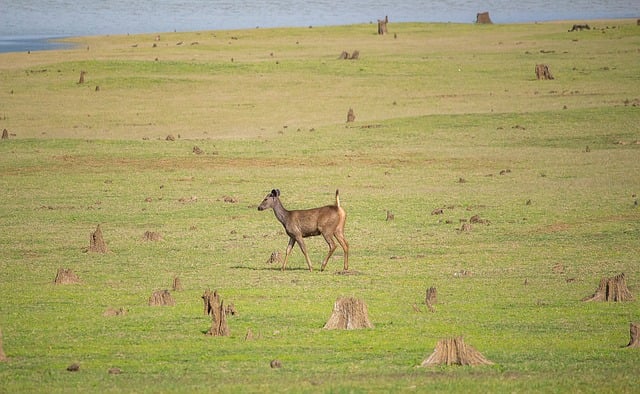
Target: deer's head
<point>270,200</point>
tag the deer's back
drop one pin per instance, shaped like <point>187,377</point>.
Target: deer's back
<point>315,221</point>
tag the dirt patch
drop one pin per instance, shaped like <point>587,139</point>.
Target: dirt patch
<point>554,228</point>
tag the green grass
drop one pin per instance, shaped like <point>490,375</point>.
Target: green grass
<point>81,158</point>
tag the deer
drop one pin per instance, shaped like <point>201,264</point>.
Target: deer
<point>299,224</point>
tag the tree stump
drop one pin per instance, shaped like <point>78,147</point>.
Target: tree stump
<point>483,18</point>
<point>197,150</point>
<point>542,72</point>
<point>96,242</point>
<point>177,284</point>
<point>152,236</point>
<point>346,56</point>
<point>634,332</point>
<point>231,310</point>
<point>611,289</point>
<point>110,312</point>
<point>5,134</point>
<point>211,300</point>
<point>453,351</point>
<point>214,306</point>
<point>275,364</point>
<point>382,25</point>
<point>431,298</point>
<point>579,27</point>
<point>275,257</point>
<point>161,298</point>
<point>3,357</point>
<point>66,277</point>
<point>351,117</point>
<point>348,314</point>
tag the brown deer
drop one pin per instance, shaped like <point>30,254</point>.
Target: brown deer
<point>328,221</point>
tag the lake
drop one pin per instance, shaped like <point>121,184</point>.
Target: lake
<point>29,24</point>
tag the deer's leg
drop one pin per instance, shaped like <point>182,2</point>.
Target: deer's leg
<point>303,247</point>
<point>292,242</point>
<point>332,248</point>
<point>345,246</point>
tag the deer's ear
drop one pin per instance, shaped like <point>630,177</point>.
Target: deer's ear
<point>274,193</point>
<point>277,192</point>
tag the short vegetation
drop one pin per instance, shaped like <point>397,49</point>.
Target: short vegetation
<point>459,171</point>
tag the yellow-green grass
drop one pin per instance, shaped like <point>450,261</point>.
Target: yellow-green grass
<point>442,110</point>
<point>255,82</point>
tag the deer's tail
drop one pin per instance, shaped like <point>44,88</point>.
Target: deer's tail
<point>337,198</point>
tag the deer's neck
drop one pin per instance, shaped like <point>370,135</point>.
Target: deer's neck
<point>281,213</point>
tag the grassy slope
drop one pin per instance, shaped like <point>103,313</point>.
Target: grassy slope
<point>429,113</point>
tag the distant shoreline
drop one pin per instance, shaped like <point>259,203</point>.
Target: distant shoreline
<point>19,44</point>
<point>33,43</point>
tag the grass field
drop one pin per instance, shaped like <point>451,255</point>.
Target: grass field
<point>448,116</point>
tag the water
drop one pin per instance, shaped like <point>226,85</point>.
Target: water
<point>28,24</point>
